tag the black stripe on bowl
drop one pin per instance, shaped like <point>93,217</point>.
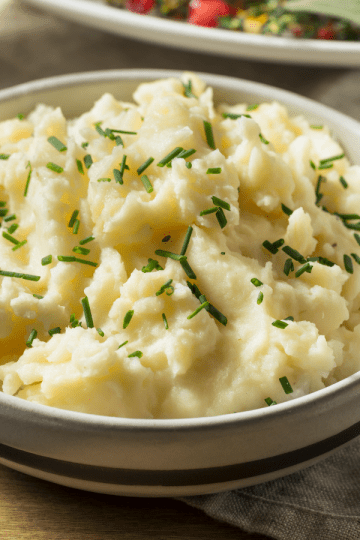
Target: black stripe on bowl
<point>183,477</point>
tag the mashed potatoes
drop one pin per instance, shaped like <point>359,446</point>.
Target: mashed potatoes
<point>139,283</point>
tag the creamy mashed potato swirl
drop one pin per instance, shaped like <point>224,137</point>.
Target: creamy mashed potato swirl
<point>132,289</point>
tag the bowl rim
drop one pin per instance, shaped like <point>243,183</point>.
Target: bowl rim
<point>300,404</point>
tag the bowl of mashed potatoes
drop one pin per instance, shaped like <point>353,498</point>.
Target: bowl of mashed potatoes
<point>179,281</point>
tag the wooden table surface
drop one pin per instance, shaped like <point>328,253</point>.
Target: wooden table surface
<point>33,509</point>
<point>34,44</point>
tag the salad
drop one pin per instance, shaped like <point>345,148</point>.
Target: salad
<point>270,17</point>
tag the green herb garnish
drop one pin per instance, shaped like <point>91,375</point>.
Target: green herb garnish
<point>214,170</point>
<point>270,402</point>
<point>220,216</point>
<point>32,336</point>
<point>165,321</point>
<point>86,240</point>
<point>312,165</point>
<point>170,156</point>
<point>330,159</point>
<point>280,324</point>
<point>169,254</point>
<point>38,296</point>
<point>209,211</point>
<point>10,238</point>
<point>4,156</point>
<point>255,281</point>
<point>188,89</point>
<point>166,238</point>
<point>76,226</point>
<point>152,265</point>
<point>80,166</point>
<point>147,184</point>
<point>87,312</point>
<point>28,277</point>
<point>286,210</point>
<point>55,168</point>
<point>136,353</point>
<point>13,228</point>
<point>234,116</point>
<point>262,139</point>
<point>306,268</point>
<point>122,345</point>
<point>81,250</point>
<point>348,264</point>
<point>186,240</point>
<point>197,310</point>
<point>10,218</point>
<point>294,254</point>
<point>356,257</point>
<point>28,179</point>
<point>252,107</point>
<point>88,161</point>
<point>288,267</point>
<point>145,165</point>
<point>19,245</point>
<point>343,182</point>
<point>187,268</point>
<point>56,330</point>
<point>46,260</point>
<point>100,332</point>
<point>128,318</point>
<point>164,287</point>
<point>286,385</point>
<point>209,134</point>
<point>260,298</point>
<point>74,215</point>
<point>58,145</point>
<point>220,203</point>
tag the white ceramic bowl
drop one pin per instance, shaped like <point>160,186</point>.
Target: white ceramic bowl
<point>175,457</point>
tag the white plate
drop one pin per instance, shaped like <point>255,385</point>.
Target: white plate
<point>97,14</point>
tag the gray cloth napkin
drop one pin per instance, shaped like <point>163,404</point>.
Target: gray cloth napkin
<point>321,502</point>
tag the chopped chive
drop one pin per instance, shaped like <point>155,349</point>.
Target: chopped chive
<point>165,321</point>
<point>10,238</point>
<point>109,134</point>
<point>214,170</point>
<point>19,245</point>
<point>316,127</point>
<point>357,238</point>
<point>342,216</point>
<point>220,216</point>
<point>186,240</point>
<point>321,260</point>
<point>255,281</point>
<point>252,107</point>
<point>84,145</point>
<point>58,145</point>
<point>123,165</point>
<point>87,312</point>
<point>325,166</point>
<point>260,298</point>
<point>136,353</point>
<point>100,332</point>
<point>280,324</point>
<point>104,179</point>
<point>81,250</point>
<point>307,267</point>
<point>4,156</point>
<point>99,129</point>
<point>2,204</point>
<point>145,165</point>
<point>84,261</point>
<point>319,195</point>
<point>312,165</point>
<point>74,215</point>
<point>343,182</point>
<point>3,212</point>
<point>294,254</point>
<point>356,257</point>
<point>286,385</point>
<point>46,260</point>
<point>128,318</point>
<point>186,153</point>
<point>220,203</point>
<point>80,166</point>
<point>209,211</point>
<point>76,226</point>
<point>333,158</point>
<point>122,345</point>
<point>348,264</point>
<point>28,277</point>
<point>123,131</point>
<point>353,226</point>
<point>88,161</point>
<point>164,287</point>
<point>118,176</point>
<point>66,258</point>
<point>38,296</point>
<point>209,134</point>
<point>147,184</point>
<point>188,89</point>
<point>56,330</point>
<point>28,178</point>
<point>20,116</point>
<point>54,167</point>
<point>188,165</point>
<point>166,238</point>
<point>74,321</point>
<point>13,228</point>
<point>286,210</point>
<point>202,306</point>
<point>12,217</point>
<point>169,254</point>
<point>210,308</point>
<point>222,252</point>
<point>119,141</point>
<point>86,240</point>
<point>187,268</point>
<point>31,338</point>
<point>270,247</point>
<point>152,265</point>
<point>170,156</point>
<point>262,139</point>
<point>270,401</point>
<point>234,116</point>
<point>288,267</point>
<point>289,318</point>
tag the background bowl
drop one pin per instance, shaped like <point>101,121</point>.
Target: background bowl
<point>175,457</point>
